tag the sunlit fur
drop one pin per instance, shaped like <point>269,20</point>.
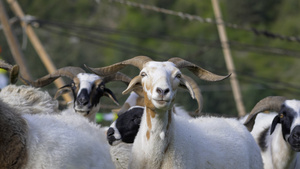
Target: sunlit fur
<point>29,100</point>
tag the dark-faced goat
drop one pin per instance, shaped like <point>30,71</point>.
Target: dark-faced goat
<point>277,134</point>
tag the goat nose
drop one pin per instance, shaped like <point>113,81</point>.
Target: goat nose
<point>162,92</point>
<point>83,100</point>
<point>296,133</point>
<point>296,136</point>
<point>110,132</point>
<point>83,97</point>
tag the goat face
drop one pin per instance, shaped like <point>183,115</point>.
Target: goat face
<point>126,126</point>
<point>160,81</point>
<point>289,118</point>
<point>87,90</point>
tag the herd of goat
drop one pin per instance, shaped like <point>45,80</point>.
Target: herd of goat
<point>150,132</point>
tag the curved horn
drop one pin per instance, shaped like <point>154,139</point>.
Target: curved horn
<point>198,71</point>
<point>137,61</point>
<point>271,103</point>
<point>69,72</point>
<point>13,71</point>
<point>117,77</point>
<point>197,92</point>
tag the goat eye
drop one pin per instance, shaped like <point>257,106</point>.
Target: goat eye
<point>281,116</point>
<point>73,85</point>
<point>178,76</point>
<point>101,87</point>
<point>143,74</point>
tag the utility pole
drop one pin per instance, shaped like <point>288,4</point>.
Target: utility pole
<point>228,59</point>
<point>38,46</point>
<point>13,42</point>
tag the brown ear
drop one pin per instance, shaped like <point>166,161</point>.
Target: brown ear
<point>63,90</point>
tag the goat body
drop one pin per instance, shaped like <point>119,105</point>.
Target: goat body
<point>275,151</point>
<point>205,142</point>
<point>29,100</point>
<point>59,141</point>
<point>166,140</point>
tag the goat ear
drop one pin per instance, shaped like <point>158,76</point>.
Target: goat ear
<point>63,90</point>
<point>111,95</point>
<point>135,82</point>
<point>274,123</point>
<point>184,82</point>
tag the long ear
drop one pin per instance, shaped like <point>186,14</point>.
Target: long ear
<point>63,90</point>
<point>190,84</point>
<point>134,83</point>
<point>276,120</point>
<point>184,82</point>
<point>111,95</point>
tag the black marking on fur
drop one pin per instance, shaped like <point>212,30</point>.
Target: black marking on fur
<point>262,139</point>
<point>128,124</point>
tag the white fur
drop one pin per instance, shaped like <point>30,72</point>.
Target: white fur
<point>66,141</point>
<point>120,151</point>
<point>279,153</point>
<point>56,140</point>
<point>206,142</point>
<point>29,100</point>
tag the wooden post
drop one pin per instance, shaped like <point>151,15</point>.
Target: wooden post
<point>228,59</point>
<point>13,42</point>
<point>38,46</point>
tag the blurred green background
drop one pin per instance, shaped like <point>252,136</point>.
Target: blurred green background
<point>101,32</point>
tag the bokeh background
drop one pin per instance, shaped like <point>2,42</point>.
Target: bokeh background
<point>265,45</point>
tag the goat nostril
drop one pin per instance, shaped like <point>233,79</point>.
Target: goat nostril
<point>296,136</point>
<point>166,91</point>
<point>83,100</point>
<point>159,90</point>
<point>110,131</point>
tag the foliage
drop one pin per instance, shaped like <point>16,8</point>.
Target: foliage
<point>122,32</point>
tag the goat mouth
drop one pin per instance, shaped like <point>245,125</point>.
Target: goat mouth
<point>161,101</point>
<point>83,112</point>
<point>296,147</point>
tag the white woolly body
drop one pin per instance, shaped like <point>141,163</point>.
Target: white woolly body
<point>278,154</point>
<point>29,100</point>
<point>66,141</point>
<point>206,142</point>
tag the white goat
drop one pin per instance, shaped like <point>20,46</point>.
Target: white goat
<point>123,130</point>
<point>87,89</point>
<point>29,100</point>
<point>34,141</point>
<point>277,134</point>
<point>32,136</point>
<point>166,140</point>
